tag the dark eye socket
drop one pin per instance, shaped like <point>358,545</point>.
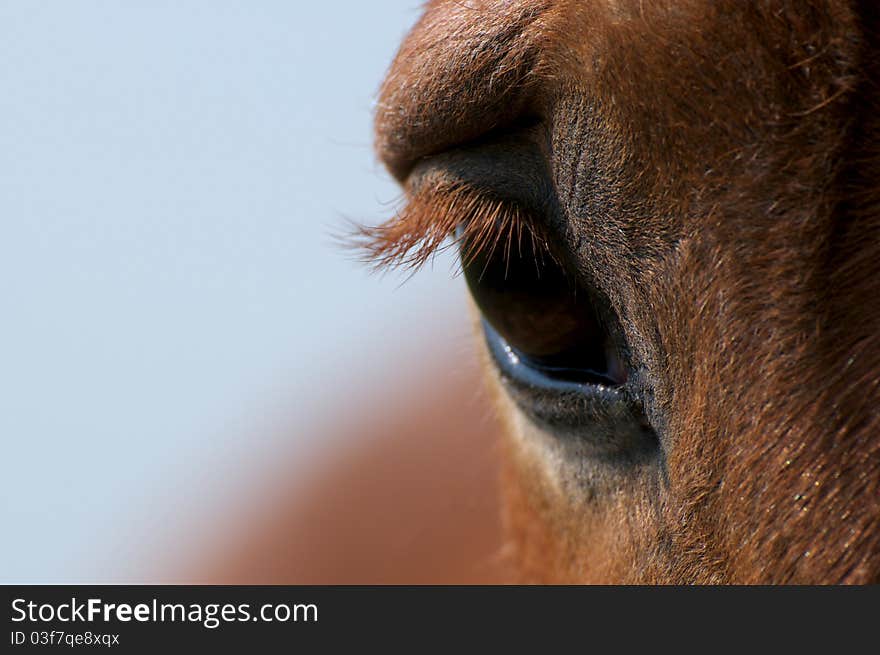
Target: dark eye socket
<point>546,317</point>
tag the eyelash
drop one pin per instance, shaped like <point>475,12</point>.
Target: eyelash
<point>477,223</point>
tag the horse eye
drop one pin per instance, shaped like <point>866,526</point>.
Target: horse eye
<point>547,319</point>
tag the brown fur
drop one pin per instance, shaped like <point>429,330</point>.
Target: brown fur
<point>719,170</point>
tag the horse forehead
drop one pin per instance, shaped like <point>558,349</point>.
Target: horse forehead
<point>468,65</point>
<point>647,93</point>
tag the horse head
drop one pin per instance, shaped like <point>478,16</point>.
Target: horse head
<point>668,216</point>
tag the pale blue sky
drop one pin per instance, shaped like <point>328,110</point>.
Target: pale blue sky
<point>170,173</point>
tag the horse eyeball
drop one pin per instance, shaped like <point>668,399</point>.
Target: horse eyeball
<point>541,312</point>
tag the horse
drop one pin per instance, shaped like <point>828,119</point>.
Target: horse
<point>668,218</point>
